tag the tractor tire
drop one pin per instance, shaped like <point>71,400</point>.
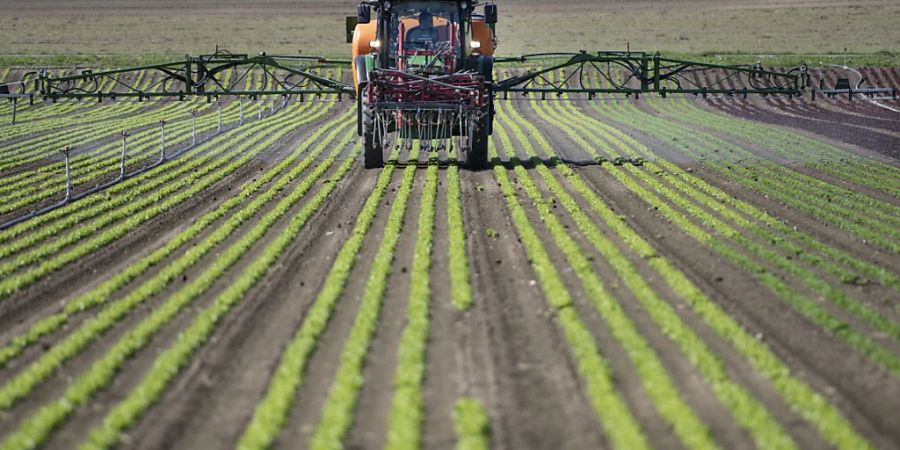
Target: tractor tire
<point>373,153</point>
<point>478,154</point>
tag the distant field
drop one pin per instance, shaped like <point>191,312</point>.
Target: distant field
<point>85,28</point>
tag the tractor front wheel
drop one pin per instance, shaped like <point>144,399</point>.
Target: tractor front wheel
<point>373,152</point>
<point>478,154</point>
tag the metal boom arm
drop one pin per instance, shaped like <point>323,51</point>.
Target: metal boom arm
<point>201,76</point>
<point>637,73</point>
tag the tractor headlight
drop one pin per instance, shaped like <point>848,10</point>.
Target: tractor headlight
<point>475,44</point>
<point>376,44</point>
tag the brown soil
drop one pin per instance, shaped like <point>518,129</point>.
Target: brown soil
<point>508,350</point>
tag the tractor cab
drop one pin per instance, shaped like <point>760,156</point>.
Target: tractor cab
<point>422,36</point>
<point>425,40</point>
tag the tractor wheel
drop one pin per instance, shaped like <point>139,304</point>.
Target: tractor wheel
<point>373,153</point>
<point>478,154</point>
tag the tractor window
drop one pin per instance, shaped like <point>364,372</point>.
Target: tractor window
<point>424,27</point>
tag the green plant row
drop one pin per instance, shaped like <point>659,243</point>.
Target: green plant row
<point>797,394</point>
<point>36,428</point>
<point>86,113</point>
<point>472,425</point>
<point>15,231</point>
<point>771,229</point>
<point>613,412</point>
<point>103,161</point>
<point>337,414</point>
<point>811,152</point>
<point>207,168</point>
<point>46,182</point>
<point>405,416</point>
<point>171,361</point>
<point>270,414</point>
<point>788,265</point>
<point>699,190</point>
<point>461,289</point>
<point>69,113</point>
<point>96,119</point>
<point>661,390</point>
<point>46,147</point>
<point>20,152</point>
<point>22,384</point>
<point>112,112</point>
<point>141,82</point>
<point>843,203</point>
<point>128,191</point>
<point>289,168</point>
<point>860,216</point>
<point>806,306</point>
<point>150,118</point>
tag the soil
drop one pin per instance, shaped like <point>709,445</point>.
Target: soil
<point>508,350</point>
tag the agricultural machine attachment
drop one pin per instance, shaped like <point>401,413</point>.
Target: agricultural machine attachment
<point>203,76</point>
<point>851,82</point>
<point>636,73</point>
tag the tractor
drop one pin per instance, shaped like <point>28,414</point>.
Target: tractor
<point>422,70</point>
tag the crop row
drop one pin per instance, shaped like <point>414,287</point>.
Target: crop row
<point>461,290</point>
<point>615,416</point>
<point>786,262</point>
<point>104,160</point>
<point>270,414</point>
<point>132,189</point>
<point>28,150</point>
<point>36,428</point>
<point>337,414</point>
<point>174,358</point>
<point>472,425</point>
<point>405,416</point>
<point>34,186</point>
<point>748,412</point>
<point>863,216</point>
<point>798,300</point>
<point>43,146</point>
<point>799,245</point>
<point>71,125</point>
<point>659,386</point>
<point>815,153</point>
<point>207,168</point>
<point>47,117</point>
<point>56,116</point>
<point>745,409</point>
<point>43,367</point>
<point>102,293</point>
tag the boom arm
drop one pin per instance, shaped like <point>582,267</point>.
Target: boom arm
<point>637,73</point>
<point>202,76</point>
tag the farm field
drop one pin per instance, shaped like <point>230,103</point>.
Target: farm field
<point>653,273</point>
<point>49,32</point>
